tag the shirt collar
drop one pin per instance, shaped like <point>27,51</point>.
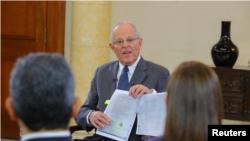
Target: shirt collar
<point>45,135</point>
<point>132,67</point>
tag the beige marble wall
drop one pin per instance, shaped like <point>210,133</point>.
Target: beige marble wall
<point>67,41</point>
<point>90,31</point>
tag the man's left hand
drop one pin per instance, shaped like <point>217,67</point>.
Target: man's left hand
<point>139,90</point>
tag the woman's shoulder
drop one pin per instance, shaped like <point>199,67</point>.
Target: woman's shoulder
<point>154,139</point>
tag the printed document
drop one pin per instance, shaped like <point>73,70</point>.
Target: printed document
<point>122,110</point>
<point>151,114</point>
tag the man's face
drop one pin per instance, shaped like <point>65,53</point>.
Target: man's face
<point>128,51</point>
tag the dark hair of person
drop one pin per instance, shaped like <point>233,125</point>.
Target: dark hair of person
<point>42,91</point>
<point>194,102</point>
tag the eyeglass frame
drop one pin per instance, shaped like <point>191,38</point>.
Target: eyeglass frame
<point>127,40</point>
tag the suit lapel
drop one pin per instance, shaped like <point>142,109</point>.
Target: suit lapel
<point>112,77</point>
<point>139,74</point>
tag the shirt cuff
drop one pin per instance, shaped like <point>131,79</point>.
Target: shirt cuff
<point>154,91</point>
<point>87,119</point>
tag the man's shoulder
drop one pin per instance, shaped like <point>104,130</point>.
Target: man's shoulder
<point>108,65</point>
<point>154,65</point>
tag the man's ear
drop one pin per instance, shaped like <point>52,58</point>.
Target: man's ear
<point>75,107</point>
<point>140,43</point>
<point>111,46</point>
<point>166,99</point>
<point>10,109</point>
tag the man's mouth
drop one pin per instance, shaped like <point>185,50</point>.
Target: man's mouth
<point>126,52</point>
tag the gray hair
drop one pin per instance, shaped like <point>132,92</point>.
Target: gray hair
<point>122,23</point>
<point>42,91</point>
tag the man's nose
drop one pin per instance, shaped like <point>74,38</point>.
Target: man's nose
<point>125,43</point>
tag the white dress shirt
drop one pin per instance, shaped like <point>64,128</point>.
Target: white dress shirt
<point>131,70</point>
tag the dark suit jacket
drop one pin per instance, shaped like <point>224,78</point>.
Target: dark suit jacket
<point>104,83</point>
<point>52,139</point>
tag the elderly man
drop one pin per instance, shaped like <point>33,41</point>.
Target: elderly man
<point>42,97</point>
<point>131,72</point>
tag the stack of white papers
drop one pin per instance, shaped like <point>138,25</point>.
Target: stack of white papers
<point>122,110</point>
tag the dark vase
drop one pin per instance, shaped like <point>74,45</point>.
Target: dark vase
<point>225,53</point>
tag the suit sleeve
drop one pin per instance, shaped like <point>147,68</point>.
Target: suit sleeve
<point>89,105</point>
<point>162,81</point>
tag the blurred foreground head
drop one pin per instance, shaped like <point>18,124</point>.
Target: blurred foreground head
<point>194,101</point>
<point>42,92</point>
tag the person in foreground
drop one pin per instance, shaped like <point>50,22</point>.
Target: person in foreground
<point>42,97</point>
<point>194,101</point>
<point>130,72</point>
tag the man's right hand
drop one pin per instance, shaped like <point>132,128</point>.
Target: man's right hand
<point>97,119</point>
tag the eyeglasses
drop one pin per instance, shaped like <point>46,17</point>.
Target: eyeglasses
<point>129,41</point>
